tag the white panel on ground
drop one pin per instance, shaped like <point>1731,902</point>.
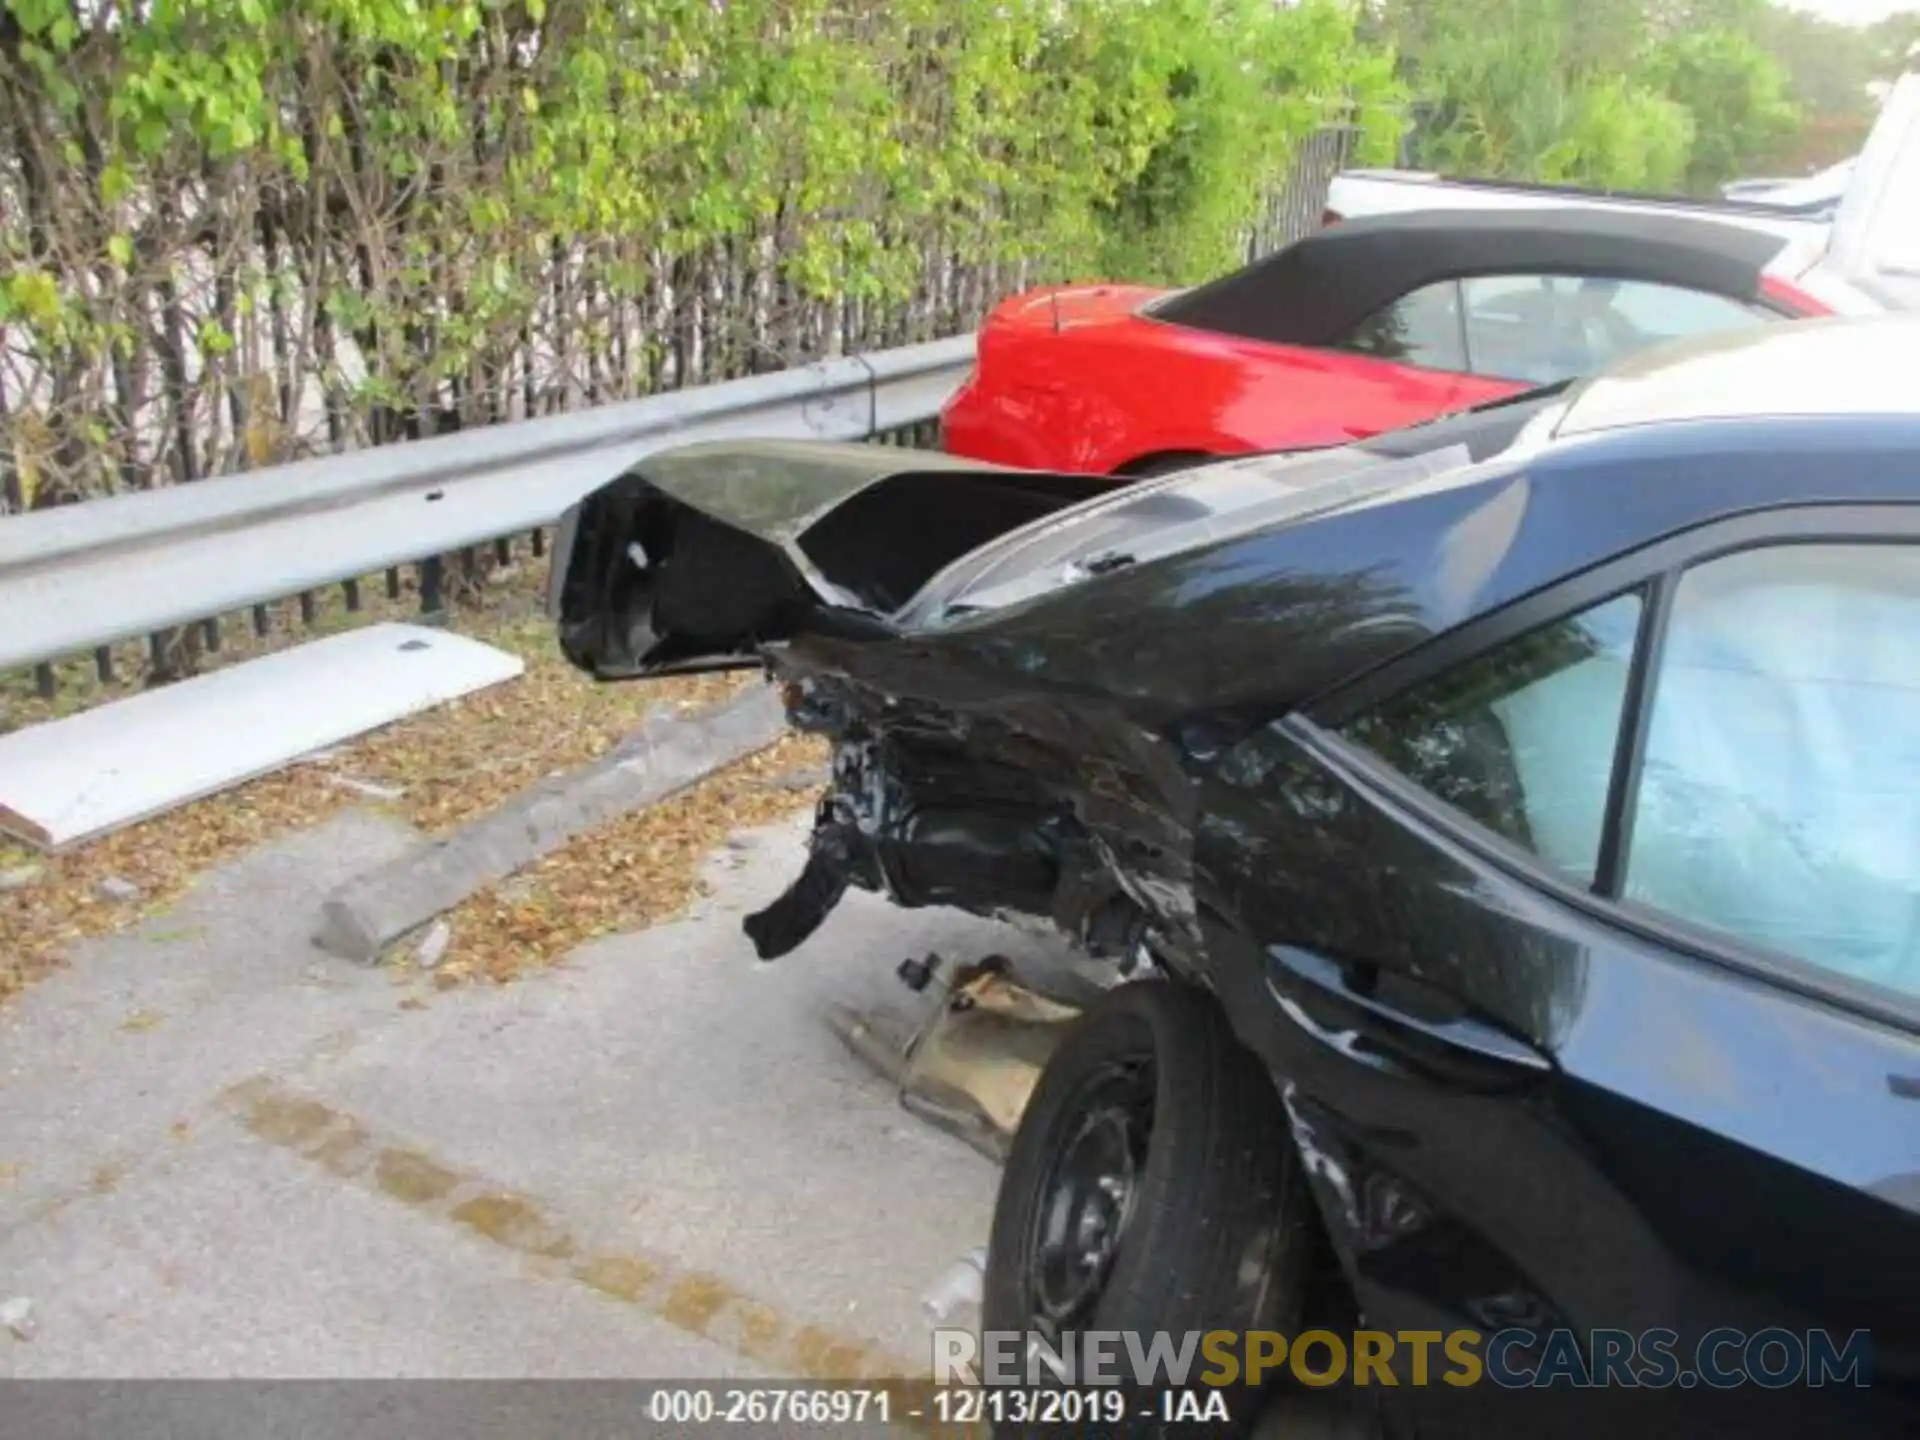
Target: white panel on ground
<point>78,778</point>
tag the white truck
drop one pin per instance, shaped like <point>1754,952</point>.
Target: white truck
<point>1866,256</point>
<point>1815,196</point>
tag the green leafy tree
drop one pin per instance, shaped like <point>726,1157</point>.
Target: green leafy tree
<point>1895,45</point>
<point>1736,94</point>
<point>1632,136</point>
<point>1537,90</point>
<point>1232,88</point>
<point>1644,94</point>
<point>1828,65</point>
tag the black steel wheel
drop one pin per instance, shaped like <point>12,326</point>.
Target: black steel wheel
<point>1087,1194</point>
<point>1152,1185</point>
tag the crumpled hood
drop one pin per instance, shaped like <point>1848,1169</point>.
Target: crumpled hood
<point>700,555</point>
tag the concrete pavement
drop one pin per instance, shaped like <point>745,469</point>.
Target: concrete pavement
<point>223,1153</point>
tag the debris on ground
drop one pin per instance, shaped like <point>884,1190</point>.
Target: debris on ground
<point>959,1284</point>
<point>514,889</point>
<point>368,788</point>
<point>807,777</point>
<point>18,877</point>
<point>454,763</point>
<point>67,782</point>
<point>970,1066</point>
<point>117,888</point>
<point>433,945</point>
<point>16,1316</point>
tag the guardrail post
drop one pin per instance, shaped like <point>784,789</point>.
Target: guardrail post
<point>210,632</point>
<point>262,620</point>
<point>159,660</point>
<point>432,573</point>
<point>350,591</point>
<point>539,543</point>
<point>393,582</point>
<point>44,683</point>
<point>103,664</point>
<point>306,607</point>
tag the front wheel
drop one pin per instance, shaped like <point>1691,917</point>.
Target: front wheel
<point>1152,1186</point>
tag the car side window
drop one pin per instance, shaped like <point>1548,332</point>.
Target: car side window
<point>1779,794</point>
<point>1421,328</point>
<point>1521,738</point>
<point>1545,328</point>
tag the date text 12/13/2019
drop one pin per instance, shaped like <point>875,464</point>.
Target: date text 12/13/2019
<point>968,1405</point>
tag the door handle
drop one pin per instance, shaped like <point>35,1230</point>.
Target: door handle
<point>1463,1036</point>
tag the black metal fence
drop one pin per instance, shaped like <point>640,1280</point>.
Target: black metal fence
<point>1296,208</point>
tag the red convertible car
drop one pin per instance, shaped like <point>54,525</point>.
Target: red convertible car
<point>1362,327</point>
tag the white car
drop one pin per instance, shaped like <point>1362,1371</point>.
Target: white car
<point>1813,197</point>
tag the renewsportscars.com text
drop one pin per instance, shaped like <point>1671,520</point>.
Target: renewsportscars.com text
<point>1726,1359</point>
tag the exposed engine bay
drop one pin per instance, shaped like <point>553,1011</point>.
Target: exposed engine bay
<point>927,816</point>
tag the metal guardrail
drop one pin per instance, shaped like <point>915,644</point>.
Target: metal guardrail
<point>85,576</point>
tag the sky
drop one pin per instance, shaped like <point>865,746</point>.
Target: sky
<point>1853,12</point>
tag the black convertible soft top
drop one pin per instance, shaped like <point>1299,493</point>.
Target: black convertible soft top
<point>1316,291</point>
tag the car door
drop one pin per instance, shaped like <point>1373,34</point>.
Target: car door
<point>1584,945</point>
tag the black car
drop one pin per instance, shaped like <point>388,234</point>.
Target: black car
<point>1507,832</point>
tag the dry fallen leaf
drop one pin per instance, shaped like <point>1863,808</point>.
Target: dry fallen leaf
<point>635,871</point>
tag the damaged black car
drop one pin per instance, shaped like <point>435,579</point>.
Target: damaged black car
<point>1503,837</point>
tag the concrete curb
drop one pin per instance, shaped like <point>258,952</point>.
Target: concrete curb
<point>668,753</point>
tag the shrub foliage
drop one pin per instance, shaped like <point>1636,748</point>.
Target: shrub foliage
<point>237,230</point>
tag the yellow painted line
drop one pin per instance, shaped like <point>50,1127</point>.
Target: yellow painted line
<point>695,1301</point>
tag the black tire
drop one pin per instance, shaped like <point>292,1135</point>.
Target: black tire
<point>1217,1232</point>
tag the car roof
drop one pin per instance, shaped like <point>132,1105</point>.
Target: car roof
<point>1854,366</point>
<point>1318,289</point>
